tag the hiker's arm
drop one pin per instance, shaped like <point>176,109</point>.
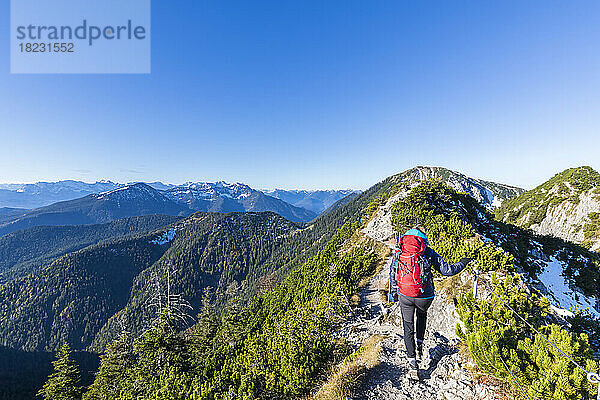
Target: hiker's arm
<point>443,267</point>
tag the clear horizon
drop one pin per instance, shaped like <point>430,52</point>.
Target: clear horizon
<point>272,188</point>
<point>318,96</point>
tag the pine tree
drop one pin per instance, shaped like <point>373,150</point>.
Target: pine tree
<point>112,376</point>
<point>64,383</point>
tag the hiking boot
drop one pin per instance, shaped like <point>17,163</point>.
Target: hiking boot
<point>420,351</point>
<point>413,369</point>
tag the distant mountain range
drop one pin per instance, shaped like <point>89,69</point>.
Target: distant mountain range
<point>70,202</point>
<point>316,201</point>
<point>41,194</point>
<point>128,201</point>
<point>234,197</point>
<point>75,203</point>
<point>34,195</point>
<point>141,199</point>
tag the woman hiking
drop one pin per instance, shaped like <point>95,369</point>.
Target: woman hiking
<point>411,270</point>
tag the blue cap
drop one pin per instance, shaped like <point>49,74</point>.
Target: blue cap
<point>416,232</point>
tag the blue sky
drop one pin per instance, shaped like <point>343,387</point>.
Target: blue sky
<point>321,95</point>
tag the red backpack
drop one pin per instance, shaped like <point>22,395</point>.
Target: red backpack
<point>410,265</point>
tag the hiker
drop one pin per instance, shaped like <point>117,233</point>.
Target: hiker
<point>412,278</point>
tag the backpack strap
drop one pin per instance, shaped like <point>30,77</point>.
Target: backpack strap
<point>408,267</point>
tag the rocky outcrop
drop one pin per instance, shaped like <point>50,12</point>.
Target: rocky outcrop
<point>568,219</point>
<point>566,206</point>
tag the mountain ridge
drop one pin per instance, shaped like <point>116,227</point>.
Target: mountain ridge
<point>566,206</point>
<point>128,201</point>
<point>42,193</point>
<point>315,200</point>
<point>490,194</point>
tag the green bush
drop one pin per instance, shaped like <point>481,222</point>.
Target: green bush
<point>490,330</point>
<point>450,218</point>
<point>495,335</point>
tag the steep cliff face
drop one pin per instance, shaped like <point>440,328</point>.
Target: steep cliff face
<point>568,220</point>
<point>566,206</point>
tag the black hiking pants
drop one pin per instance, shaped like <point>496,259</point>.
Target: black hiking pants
<point>408,306</point>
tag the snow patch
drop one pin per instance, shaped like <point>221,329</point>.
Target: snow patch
<point>496,202</point>
<point>165,237</point>
<point>558,287</point>
<point>102,194</point>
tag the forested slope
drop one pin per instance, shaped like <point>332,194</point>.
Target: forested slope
<point>224,255</point>
<point>210,257</point>
<point>23,251</point>
<point>272,348</point>
<point>71,299</point>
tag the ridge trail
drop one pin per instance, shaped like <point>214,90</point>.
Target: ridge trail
<point>444,373</point>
